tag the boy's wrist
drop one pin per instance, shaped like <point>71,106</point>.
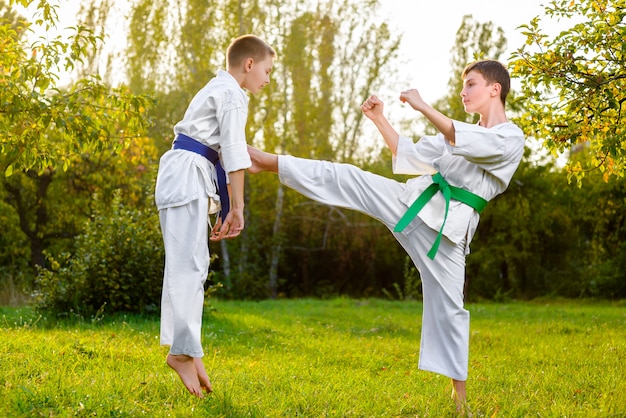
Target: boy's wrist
<point>378,119</point>
<point>237,206</point>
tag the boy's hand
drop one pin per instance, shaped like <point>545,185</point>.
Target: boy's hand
<point>413,98</point>
<point>230,228</point>
<point>372,107</point>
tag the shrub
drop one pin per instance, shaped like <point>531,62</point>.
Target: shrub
<point>117,266</point>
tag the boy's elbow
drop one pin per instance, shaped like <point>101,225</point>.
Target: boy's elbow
<point>450,134</point>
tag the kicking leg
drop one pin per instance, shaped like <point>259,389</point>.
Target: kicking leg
<point>335,184</point>
<point>186,368</point>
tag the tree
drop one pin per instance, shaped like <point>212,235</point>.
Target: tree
<point>574,83</point>
<point>58,141</point>
<point>45,128</point>
<point>51,207</point>
<point>42,124</point>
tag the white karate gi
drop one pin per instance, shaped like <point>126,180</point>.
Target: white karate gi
<point>483,161</point>
<point>185,195</point>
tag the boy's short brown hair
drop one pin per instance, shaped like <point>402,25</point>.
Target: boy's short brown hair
<point>494,72</point>
<point>248,46</point>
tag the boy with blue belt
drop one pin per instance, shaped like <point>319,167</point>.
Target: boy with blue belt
<point>433,216</point>
<point>209,148</point>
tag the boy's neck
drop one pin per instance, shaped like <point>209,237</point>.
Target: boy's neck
<point>237,75</point>
<point>492,118</point>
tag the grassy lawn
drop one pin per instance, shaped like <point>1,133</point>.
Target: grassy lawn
<point>310,358</point>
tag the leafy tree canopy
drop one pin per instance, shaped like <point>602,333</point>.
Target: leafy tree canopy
<point>44,125</point>
<point>575,83</point>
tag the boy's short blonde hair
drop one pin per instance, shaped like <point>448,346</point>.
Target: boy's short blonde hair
<point>494,72</point>
<point>248,46</point>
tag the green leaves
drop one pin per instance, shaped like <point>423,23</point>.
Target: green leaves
<point>575,83</point>
<point>116,265</point>
<point>44,124</point>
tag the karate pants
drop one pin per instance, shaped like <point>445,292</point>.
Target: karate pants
<point>185,236</point>
<point>444,346</point>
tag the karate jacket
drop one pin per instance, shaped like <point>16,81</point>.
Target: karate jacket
<point>482,161</point>
<point>216,117</point>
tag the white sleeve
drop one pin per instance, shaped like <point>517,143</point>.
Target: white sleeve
<point>233,147</point>
<point>413,158</point>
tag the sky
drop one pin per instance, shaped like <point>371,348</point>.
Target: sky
<point>429,29</point>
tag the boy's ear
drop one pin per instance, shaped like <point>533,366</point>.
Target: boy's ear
<point>495,89</point>
<point>248,64</point>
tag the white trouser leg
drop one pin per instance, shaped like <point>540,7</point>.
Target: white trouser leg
<point>344,185</point>
<point>444,345</point>
<point>185,235</point>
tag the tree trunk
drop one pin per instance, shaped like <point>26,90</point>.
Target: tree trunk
<point>36,210</point>
<point>276,247</point>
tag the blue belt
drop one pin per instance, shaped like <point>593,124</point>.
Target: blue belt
<point>189,144</point>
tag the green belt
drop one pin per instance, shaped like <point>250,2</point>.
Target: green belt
<point>449,192</point>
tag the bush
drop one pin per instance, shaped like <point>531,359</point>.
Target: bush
<point>117,266</point>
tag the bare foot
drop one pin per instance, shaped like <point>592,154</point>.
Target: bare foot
<point>262,161</point>
<point>203,377</point>
<point>186,369</point>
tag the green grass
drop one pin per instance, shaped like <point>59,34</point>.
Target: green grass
<point>309,358</point>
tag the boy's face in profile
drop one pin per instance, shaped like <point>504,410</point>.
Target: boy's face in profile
<point>477,92</point>
<point>258,75</point>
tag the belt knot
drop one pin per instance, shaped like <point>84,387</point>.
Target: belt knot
<point>449,192</point>
<point>189,144</point>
